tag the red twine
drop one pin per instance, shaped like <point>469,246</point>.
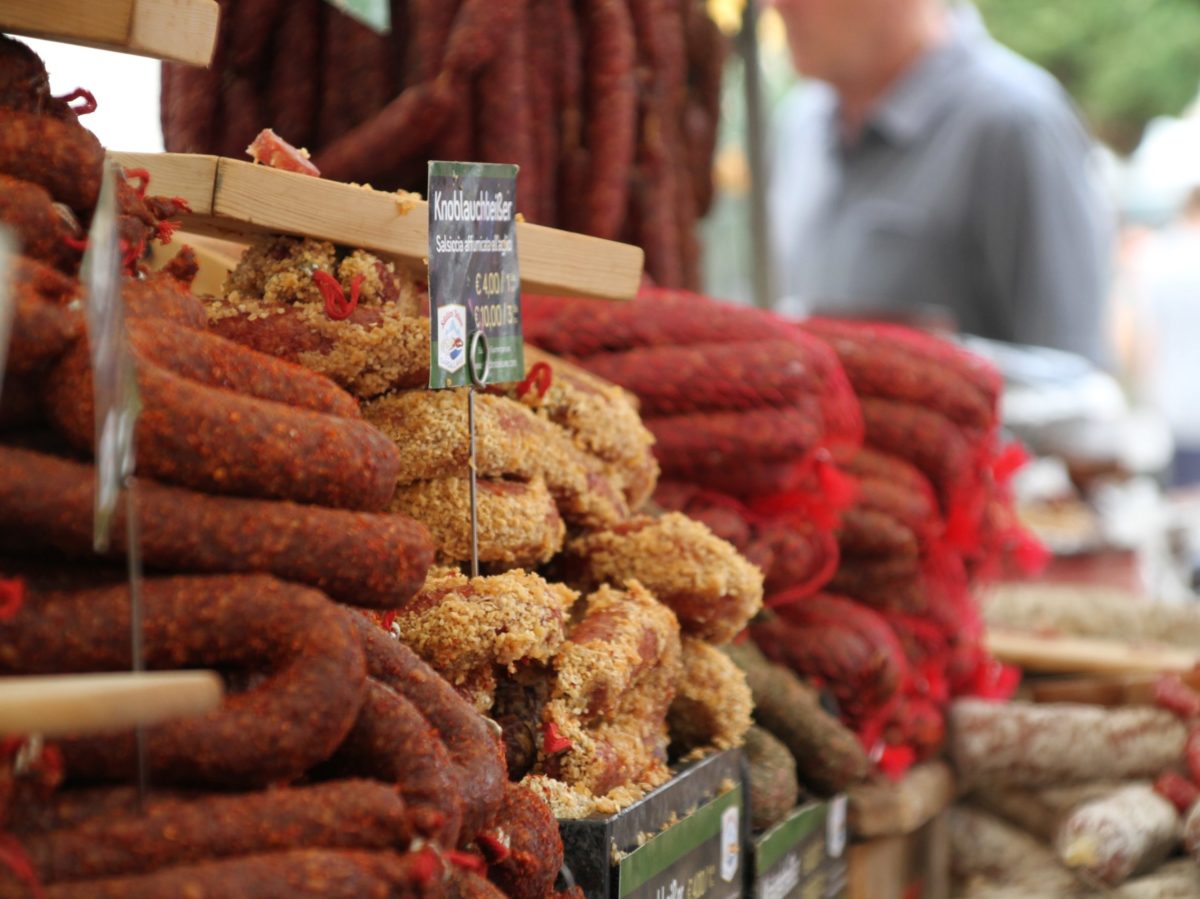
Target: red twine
<point>78,244</point>
<point>89,101</point>
<point>492,846</point>
<point>12,597</point>
<point>142,176</point>
<point>425,866</point>
<point>554,742</point>
<point>337,307</point>
<point>14,857</point>
<point>389,618</point>
<point>466,860</point>
<point>539,378</point>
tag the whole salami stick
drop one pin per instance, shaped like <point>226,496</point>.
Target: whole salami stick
<point>1130,831</point>
<point>572,175</point>
<point>541,59</point>
<point>392,741</point>
<point>251,24</point>
<point>503,115</point>
<point>42,231</point>
<point>535,854</point>
<point>208,359</point>
<point>477,36</point>
<point>275,731</point>
<point>58,154</point>
<point>1038,745</point>
<point>297,874</point>
<point>359,558</point>
<point>611,113</point>
<point>475,750</point>
<point>339,35</point>
<point>241,114</point>
<point>430,22</point>
<point>225,442</point>
<point>349,814</point>
<point>291,94</point>
<point>400,130</point>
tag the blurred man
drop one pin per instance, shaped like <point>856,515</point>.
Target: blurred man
<point>931,175</point>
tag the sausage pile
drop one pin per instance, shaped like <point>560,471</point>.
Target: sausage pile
<point>564,466</point>
<point>1094,798</point>
<point>610,107</point>
<point>262,498</point>
<point>856,465</point>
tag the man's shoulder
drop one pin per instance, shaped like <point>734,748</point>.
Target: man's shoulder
<point>1000,88</point>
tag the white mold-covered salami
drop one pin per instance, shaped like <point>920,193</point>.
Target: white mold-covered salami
<point>1033,745</point>
<point>1130,831</point>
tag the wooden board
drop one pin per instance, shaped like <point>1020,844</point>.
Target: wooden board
<point>890,809</point>
<point>1084,655</point>
<point>58,705</point>
<point>1121,690</point>
<point>178,30</point>
<point>238,200</point>
<point>906,866</point>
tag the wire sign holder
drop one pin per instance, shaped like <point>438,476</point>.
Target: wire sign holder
<point>474,290</point>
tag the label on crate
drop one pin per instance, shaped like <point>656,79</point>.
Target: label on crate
<point>474,279</point>
<point>799,858</point>
<point>698,858</point>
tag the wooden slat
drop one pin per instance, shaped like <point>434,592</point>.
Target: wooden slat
<point>1121,690</point>
<point>57,705</point>
<point>890,809</point>
<point>178,30</point>
<point>247,200</point>
<point>1084,655</point>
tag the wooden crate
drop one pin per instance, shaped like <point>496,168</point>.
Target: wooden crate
<point>900,839</point>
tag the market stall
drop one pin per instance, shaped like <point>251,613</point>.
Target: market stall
<point>668,598</point>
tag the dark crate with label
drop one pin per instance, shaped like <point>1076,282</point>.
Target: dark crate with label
<point>682,841</point>
<point>803,856</point>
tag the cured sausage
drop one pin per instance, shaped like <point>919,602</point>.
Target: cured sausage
<point>224,442</point>
<point>1036,745</point>
<point>710,376</point>
<point>297,874</point>
<point>59,155</point>
<point>350,814</point>
<point>518,523</point>
<point>474,748</point>
<point>1108,840</point>
<point>530,850</point>
<point>612,113</point>
<point>208,359</point>
<point>43,328</point>
<point>275,731</point>
<point>358,558</point>
<point>393,742</point>
<point>43,231</point>
<point>623,636</point>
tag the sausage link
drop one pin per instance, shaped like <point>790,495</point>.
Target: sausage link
<point>356,557</point>
<point>1129,832</point>
<point>350,814</point>
<point>535,851</point>
<point>393,742</point>
<point>42,327</point>
<point>474,749</point>
<point>59,155</point>
<point>208,359</point>
<point>223,442</point>
<point>42,231</point>
<point>1036,745</point>
<point>611,126</point>
<point>275,731</point>
<point>292,90</point>
<point>297,874</point>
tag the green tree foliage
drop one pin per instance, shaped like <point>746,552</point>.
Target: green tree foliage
<point>1124,61</point>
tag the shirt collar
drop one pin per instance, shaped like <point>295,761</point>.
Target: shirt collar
<point>922,93</point>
